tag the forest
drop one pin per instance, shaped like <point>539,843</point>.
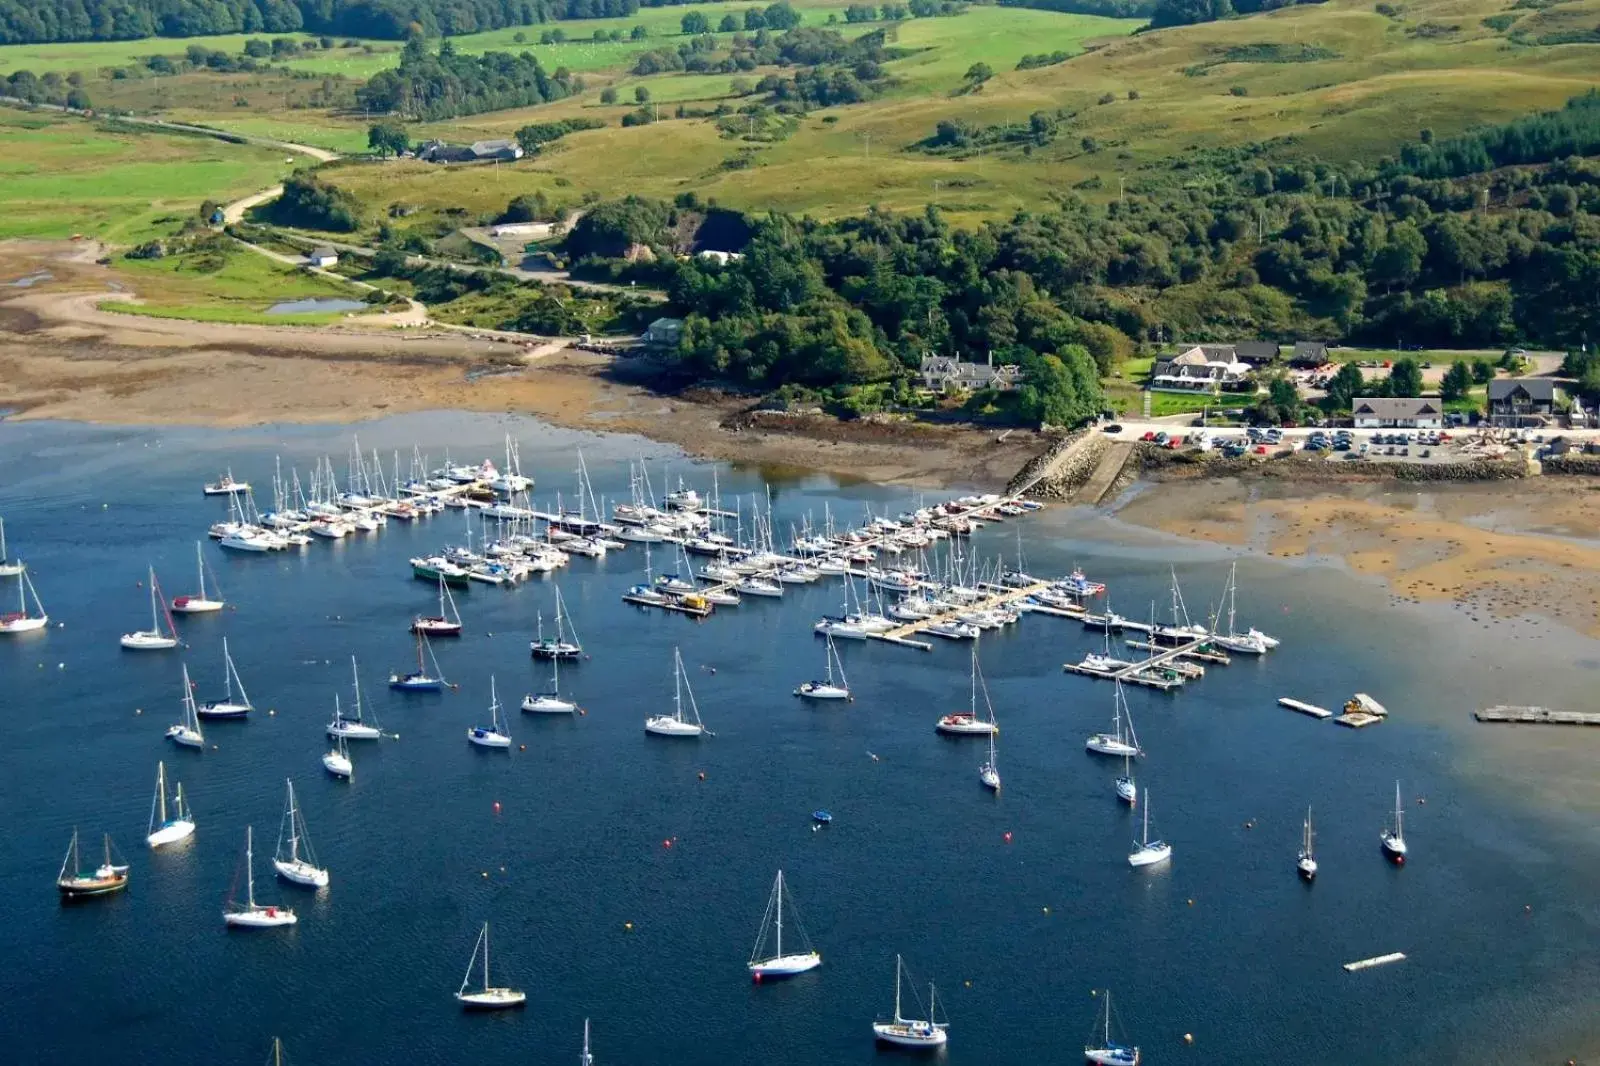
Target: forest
<point>444,84</point>
<point>37,21</point>
<point>1306,250</point>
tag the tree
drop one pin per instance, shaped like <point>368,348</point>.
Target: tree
<point>978,73</point>
<point>641,94</point>
<point>1405,378</point>
<point>1399,261</point>
<point>638,33</point>
<point>387,138</point>
<point>1345,387</point>
<point>608,95</point>
<point>729,24</point>
<point>79,100</point>
<point>781,16</point>
<point>1457,381</point>
<point>257,48</point>
<point>695,22</point>
<point>1482,371</point>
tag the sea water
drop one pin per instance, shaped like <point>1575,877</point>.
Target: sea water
<point>624,876</point>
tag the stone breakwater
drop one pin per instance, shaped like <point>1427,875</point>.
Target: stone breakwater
<point>1159,464</point>
<point>1062,468</point>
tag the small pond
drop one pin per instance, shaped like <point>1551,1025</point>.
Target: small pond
<point>315,305</point>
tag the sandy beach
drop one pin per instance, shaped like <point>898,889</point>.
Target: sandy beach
<point>63,355</point>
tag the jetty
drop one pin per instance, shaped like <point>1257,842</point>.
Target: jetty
<point>1141,672</point>
<point>1304,708</point>
<point>1376,960</point>
<point>901,634</point>
<point>1535,716</point>
<point>1201,654</point>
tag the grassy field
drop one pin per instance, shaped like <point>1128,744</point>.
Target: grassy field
<point>61,176</point>
<point>239,288</point>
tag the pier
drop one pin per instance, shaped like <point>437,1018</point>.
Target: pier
<point>1304,708</point>
<point>1535,716</point>
<point>900,634</point>
<point>1137,673</point>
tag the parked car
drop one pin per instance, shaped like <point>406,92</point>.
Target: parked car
<point>1113,428</point>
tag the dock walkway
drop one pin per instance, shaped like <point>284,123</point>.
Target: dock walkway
<point>1535,716</point>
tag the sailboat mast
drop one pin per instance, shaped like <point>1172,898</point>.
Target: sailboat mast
<point>486,956</point>
<point>250,865</point>
<point>897,990</point>
<point>780,914</point>
<point>677,693</point>
<point>161,789</point>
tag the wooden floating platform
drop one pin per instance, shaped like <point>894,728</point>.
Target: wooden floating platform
<point>906,642</point>
<point>1198,654</point>
<point>1125,625</point>
<point>1146,680</point>
<point>1358,719</point>
<point>1376,960</point>
<point>671,605</point>
<point>1304,708</point>
<point>1045,608</point>
<point>1535,716</point>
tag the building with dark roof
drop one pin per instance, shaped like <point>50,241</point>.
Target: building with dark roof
<point>1521,401</point>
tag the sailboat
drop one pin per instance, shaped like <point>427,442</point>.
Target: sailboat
<point>911,1032</point>
<point>199,603</point>
<point>487,997</point>
<point>828,689</point>
<point>337,760</point>
<point>778,964</point>
<point>108,877</point>
<point>299,863</point>
<point>1106,1052</point>
<point>989,772</point>
<point>164,830</point>
<point>558,647</point>
<point>9,567</point>
<point>187,732</point>
<point>447,623</point>
<point>419,680</point>
<point>1149,852</point>
<point>1118,741</point>
<point>1127,788</point>
<point>252,915</point>
<point>1394,839</point>
<point>1250,642</point>
<point>1307,862</point>
<point>22,621</point>
<point>231,705</point>
<point>493,735</point>
<point>225,486</point>
<point>155,638</point>
<point>353,728</point>
<point>967,723</point>
<point>551,702</point>
<point>675,724</point>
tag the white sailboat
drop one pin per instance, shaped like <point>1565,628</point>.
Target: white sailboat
<point>164,830</point>
<point>1307,861</point>
<point>493,735</point>
<point>1148,852</point>
<point>968,723</point>
<point>828,689</point>
<point>1107,1052</point>
<point>200,602</point>
<point>1394,838</point>
<point>337,760</point>
<point>911,1032</point>
<point>359,727</point>
<point>1119,741</point>
<point>1127,788</point>
<point>9,567</point>
<point>487,996</point>
<point>252,915</point>
<point>778,964</point>
<point>21,621</point>
<point>1250,642</point>
<point>559,646</point>
<point>551,702</point>
<point>234,703</point>
<point>989,772</point>
<point>675,724</point>
<point>155,638</point>
<point>299,863</point>
<point>447,623</point>
<point>187,732</point>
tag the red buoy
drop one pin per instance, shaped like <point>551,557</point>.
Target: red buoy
<point>1008,837</point>
<point>497,806</point>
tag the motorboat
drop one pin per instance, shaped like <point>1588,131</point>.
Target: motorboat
<point>225,486</point>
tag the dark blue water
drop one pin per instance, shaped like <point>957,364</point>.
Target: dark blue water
<point>1226,944</point>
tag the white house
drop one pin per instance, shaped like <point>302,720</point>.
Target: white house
<point>1398,412</point>
<point>947,374</point>
<point>322,256</point>
<point>1199,370</point>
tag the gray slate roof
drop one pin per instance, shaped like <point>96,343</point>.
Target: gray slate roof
<point>1541,390</point>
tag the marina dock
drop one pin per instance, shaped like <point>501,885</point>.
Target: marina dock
<point>1138,673</point>
<point>1304,708</point>
<point>1200,655</point>
<point>899,634</point>
<point>1535,716</point>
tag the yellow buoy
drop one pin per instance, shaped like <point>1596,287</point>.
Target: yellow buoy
<point>628,926</point>
<point>484,874</point>
<point>1188,1038</point>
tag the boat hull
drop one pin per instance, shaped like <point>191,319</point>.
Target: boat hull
<point>1127,791</point>
<point>195,605</point>
<point>1394,848</point>
<point>492,999</point>
<point>1307,868</point>
<point>261,918</point>
<point>185,737</point>
<point>223,709</point>
<point>416,684</point>
<point>87,887</point>
<point>171,833</point>
<point>785,966</point>
<point>488,738</point>
<point>1150,855</point>
<point>1114,1056</point>
<point>147,642</point>
<point>24,625</point>
<point>436,627</point>
<point>821,690</point>
<point>1104,745</point>
<point>301,873</point>
<point>667,726</point>
<point>990,778</point>
<point>964,725</point>
<point>910,1034</point>
<point>548,705</point>
<point>338,766</point>
<point>354,731</point>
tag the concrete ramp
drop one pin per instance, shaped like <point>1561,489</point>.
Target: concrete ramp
<point>1105,474</point>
